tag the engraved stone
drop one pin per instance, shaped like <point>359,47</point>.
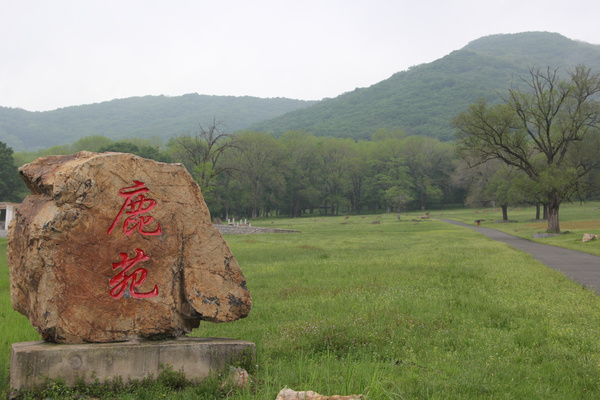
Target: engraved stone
<point>114,247</point>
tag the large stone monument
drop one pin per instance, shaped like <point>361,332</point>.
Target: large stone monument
<point>112,247</point>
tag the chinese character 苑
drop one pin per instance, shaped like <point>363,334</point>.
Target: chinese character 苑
<point>120,281</point>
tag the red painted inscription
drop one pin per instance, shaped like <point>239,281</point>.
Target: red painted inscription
<point>134,279</point>
<point>136,203</point>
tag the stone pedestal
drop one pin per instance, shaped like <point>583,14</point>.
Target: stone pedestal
<point>32,362</point>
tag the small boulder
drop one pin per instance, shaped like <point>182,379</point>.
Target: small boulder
<point>238,378</point>
<point>588,237</point>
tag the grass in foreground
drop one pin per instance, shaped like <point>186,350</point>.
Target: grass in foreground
<point>399,310</point>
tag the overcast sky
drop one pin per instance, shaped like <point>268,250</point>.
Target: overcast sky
<point>68,52</point>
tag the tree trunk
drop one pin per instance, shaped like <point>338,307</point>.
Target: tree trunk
<point>545,211</point>
<point>553,223</point>
<point>504,212</point>
<point>295,209</point>
<point>537,211</point>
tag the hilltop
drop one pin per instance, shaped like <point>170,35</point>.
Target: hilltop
<point>142,117</point>
<point>424,99</point>
<point>421,100</point>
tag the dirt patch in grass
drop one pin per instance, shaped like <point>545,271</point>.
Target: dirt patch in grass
<point>595,224</point>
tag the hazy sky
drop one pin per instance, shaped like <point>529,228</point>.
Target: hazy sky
<point>68,52</point>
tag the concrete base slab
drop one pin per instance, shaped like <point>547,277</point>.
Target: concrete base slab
<point>33,362</point>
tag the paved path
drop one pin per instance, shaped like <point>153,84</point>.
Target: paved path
<point>580,267</point>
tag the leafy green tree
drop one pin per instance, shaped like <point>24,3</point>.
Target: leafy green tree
<point>358,171</point>
<point>392,178</point>
<point>398,196</point>
<point>24,157</point>
<point>429,164</point>
<point>502,189</point>
<point>90,143</point>
<point>387,168</point>
<point>153,153</point>
<point>120,147</point>
<point>258,160</point>
<point>12,187</point>
<point>551,132</point>
<point>300,169</point>
<point>334,155</point>
<point>492,183</point>
<point>125,146</point>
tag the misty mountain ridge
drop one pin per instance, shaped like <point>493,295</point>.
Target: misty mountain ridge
<point>147,117</point>
<point>424,99</point>
<point>421,100</point>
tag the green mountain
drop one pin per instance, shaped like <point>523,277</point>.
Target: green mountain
<point>424,99</point>
<point>141,117</point>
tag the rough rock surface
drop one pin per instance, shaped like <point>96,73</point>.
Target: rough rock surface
<point>588,237</point>
<point>289,394</point>
<point>113,247</point>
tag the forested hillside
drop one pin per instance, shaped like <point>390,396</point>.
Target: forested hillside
<point>136,117</point>
<point>420,101</point>
<point>424,99</point>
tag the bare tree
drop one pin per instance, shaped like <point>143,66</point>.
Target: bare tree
<point>201,152</point>
<point>551,132</point>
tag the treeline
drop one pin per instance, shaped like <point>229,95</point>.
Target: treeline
<point>249,174</point>
<point>259,175</point>
<point>253,174</point>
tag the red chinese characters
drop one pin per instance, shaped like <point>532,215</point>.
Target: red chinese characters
<point>120,281</point>
<point>136,204</point>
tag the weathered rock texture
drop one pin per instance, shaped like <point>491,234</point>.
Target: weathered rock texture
<point>114,247</point>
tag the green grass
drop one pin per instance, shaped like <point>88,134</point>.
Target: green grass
<point>397,310</point>
<point>14,327</point>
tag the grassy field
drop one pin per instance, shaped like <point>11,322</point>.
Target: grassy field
<point>395,310</point>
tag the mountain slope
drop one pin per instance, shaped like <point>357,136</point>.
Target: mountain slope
<point>424,99</point>
<point>142,117</point>
<point>421,101</point>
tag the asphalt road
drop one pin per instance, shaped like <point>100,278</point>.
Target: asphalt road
<point>580,267</point>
